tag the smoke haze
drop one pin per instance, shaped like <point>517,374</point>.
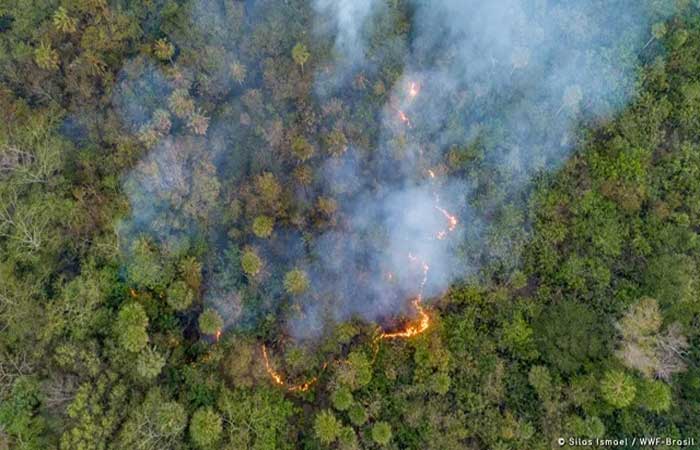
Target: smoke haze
<point>504,82</point>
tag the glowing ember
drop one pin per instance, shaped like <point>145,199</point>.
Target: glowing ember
<point>278,380</point>
<point>451,223</point>
<point>218,335</point>
<point>404,118</point>
<point>413,90</point>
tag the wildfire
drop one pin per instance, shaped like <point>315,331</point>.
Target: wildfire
<point>278,380</point>
<point>423,318</point>
<point>217,336</point>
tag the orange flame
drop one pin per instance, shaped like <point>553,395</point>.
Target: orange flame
<point>218,335</point>
<point>279,380</point>
<point>411,330</point>
<point>451,223</point>
<point>424,321</point>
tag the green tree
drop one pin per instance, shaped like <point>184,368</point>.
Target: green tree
<point>19,416</point>
<point>357,373</point>
<point>130,327</point>
<point>300,54</point>
<point>658,31</point>
<point>326,427</point>
<point>540,379</point>
<point>179,296</point>
<point>170,418</point>
<point>181,104</point>
<point>149,363</point>
<point>46,57</point>
<point>206,427</point>
<point>64,22</point>
<point>618,388</point>
<point>381,433</point>
<point>654,395</point>
<point>251,263</point>
<point>590,427</point>
<point>146,268</point>
<point>342,398</point>
<point>154,424</point>
<point>263,226</point>
<point>296,282</point>
<point>336,142</point>
<point>95,412</point>
<point>238,72</point>
<point>210,322</point>
<point>163,49</point>
<point>347,439</point>
<point>301,148</point>
<point>257,418</point>
<point>569,335</point>
<point>191,271</point>
<point>357,414</point>
<point>269,190</point>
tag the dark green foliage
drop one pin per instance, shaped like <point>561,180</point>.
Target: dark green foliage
<point>570,336</point>
<point>24,428</point>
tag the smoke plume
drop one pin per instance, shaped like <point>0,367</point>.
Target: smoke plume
<point>477,98</point>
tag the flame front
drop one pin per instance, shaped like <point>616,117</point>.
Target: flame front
<point>424,318</point>
<point>423,323</point>
<point>278,380</point>
<point>451,223</point>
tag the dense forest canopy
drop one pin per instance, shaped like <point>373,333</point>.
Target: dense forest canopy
<point>353,224</point>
